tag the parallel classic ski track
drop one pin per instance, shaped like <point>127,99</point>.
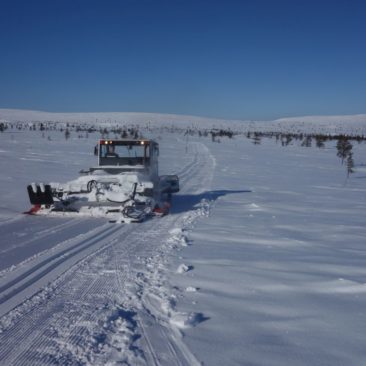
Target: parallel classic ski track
<point>53,310</point>
<point>41,269</point>
<point>46,232</point>
<point>76,319</point>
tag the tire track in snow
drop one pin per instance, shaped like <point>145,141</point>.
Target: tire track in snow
<point>186,170</point>
<point>97,310</point>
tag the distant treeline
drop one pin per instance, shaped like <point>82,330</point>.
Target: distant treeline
<point>215,133</point>
<point>306,138</point>
<point>343,142</point>
<point>344,146</point>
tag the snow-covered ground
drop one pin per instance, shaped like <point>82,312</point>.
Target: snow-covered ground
<point>280,263</point>
<point>262,260</point>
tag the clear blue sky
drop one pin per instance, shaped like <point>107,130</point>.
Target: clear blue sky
<point>257,59</point>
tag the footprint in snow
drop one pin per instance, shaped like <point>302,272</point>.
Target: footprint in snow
<point>192,289</point>
<point>178,237</point>
<point>183,320</point>
<point>183,268</point>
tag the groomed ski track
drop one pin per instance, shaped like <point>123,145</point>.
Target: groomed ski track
<point>99,297</point>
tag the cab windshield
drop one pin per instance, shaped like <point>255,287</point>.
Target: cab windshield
<point>122,153</point>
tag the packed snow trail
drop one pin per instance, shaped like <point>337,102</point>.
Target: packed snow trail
<point>17,282</point>
<point>26,236</point>
<point>104,296</point>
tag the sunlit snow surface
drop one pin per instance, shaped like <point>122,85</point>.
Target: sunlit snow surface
<point>261,262</point>
<point>280,267</point>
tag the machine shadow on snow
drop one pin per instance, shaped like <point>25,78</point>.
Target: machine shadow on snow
<point>187,202</point>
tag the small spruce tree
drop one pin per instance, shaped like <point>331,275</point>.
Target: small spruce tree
<point>350,164</point>
<point>344,148</point>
